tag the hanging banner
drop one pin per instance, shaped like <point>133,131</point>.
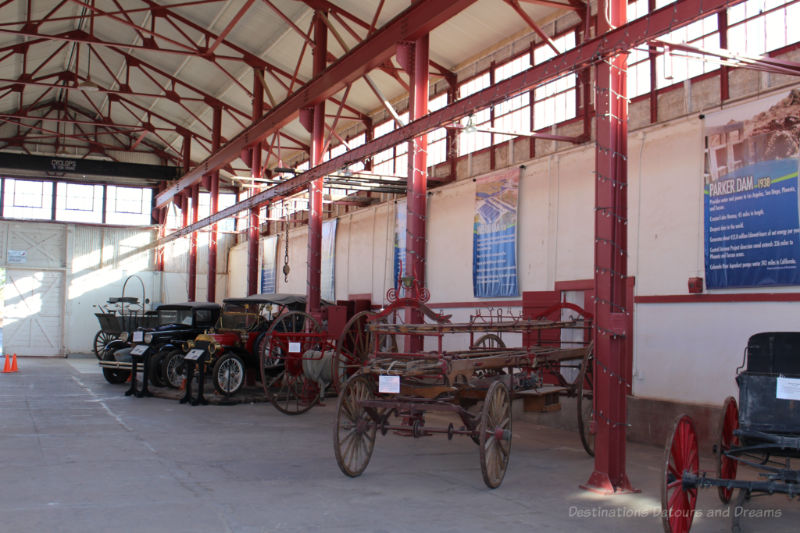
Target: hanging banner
<point>269,253</point>
<point>752,229</point>
<point>399,240</point>
<point>328,260</point>
<point>494,244</point>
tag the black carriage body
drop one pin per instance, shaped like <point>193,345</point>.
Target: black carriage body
<point>181,322</point>
<point>770,357</point>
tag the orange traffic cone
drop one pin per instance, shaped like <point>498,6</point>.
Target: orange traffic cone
<point>7,367</point>
<point>14,364</point>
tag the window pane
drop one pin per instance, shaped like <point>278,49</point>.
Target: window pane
<point>28,199</point>
<point>77,202</point>
<point>128,205</point>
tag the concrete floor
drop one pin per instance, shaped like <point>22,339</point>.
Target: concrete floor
<point>76,455</point>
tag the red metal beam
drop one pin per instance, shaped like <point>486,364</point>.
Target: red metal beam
<point>255,172</point>
<point>314,263</point>
<point>419,19</point>
<point>619,40</point>
<point>214,207</point>
<point>611,314</point>
<point>235,20</point>
<point>192,290</point>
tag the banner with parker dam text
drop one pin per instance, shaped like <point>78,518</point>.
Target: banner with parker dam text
<point>752,224</point>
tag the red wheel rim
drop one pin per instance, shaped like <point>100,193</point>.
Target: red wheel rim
<point>681,455</point>
<point>726,467</point>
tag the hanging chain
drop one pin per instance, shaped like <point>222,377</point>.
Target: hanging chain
<point>286,267</point>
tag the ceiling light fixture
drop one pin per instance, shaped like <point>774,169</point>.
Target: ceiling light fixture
<point>470,127</point>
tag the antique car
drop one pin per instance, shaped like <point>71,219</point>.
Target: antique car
<point>236,341</point>
<point>175,324</point>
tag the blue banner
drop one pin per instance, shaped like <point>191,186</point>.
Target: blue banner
<point>328,278</point>
<point>268,264</point>
<point>494,245</point>
<point>752,220</point>
<point>751,226</point>
<point>399,241</point>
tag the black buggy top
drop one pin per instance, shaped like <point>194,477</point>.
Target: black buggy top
<point>197,314</point>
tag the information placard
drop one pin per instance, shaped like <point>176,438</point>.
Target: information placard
<point>194,354</point>
<point>788,389</point>
<point>389,384</point>
<point>139,349</point>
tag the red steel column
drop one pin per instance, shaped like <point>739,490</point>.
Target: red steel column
<point>214,207</point>
<point>610,250</point>
<point>255,172</point>
<point>193,244</point>
<point>416,205</point>
<point>314,272</point>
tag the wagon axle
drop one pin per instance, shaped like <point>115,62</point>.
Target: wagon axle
<point>695,481</point>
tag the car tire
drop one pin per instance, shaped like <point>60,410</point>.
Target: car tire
<point>157,369</point>
<point>174,369</point>
<point>114,376</point>
<point>228,374</point>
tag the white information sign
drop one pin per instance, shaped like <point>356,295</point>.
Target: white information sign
<point>139,349</point>
<point>295,347</point>
<point>194,354</point>
<point>17,256</point>
<point>389,384</point>
<point>138,336</point>
<point>788,389</point>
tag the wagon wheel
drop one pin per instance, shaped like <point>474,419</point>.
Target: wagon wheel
<point>355,345</point>
<point>352,348</point>
<point>354,432</point>
<point>585,406</point>
<point>680,456</point>
<point>285,383</point>
<point>100,341</point>
<point>727,466</point>
<point>271,356</point>
<point>495,434</point>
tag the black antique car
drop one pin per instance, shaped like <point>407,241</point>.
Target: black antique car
<point>175,324</point>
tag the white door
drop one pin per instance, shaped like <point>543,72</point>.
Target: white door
<point>33,308</point>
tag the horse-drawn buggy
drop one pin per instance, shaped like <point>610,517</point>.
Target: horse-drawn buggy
<point>403,371</point>
<point>761,432</point>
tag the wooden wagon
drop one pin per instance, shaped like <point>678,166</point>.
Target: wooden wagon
<point>393,386</point>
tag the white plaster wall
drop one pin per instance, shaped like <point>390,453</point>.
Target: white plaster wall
<point>665,170</point>
<point>573,184</point>
<point>690,352</point>
<point>449,243</point>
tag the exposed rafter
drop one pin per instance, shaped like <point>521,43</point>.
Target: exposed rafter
<point>616,41</point>
<point>417,20</point>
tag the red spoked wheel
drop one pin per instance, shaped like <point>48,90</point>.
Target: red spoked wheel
<point>727,466</point>
<point>352,349</point>
<point>680,456</point>
<point>285,382</point>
